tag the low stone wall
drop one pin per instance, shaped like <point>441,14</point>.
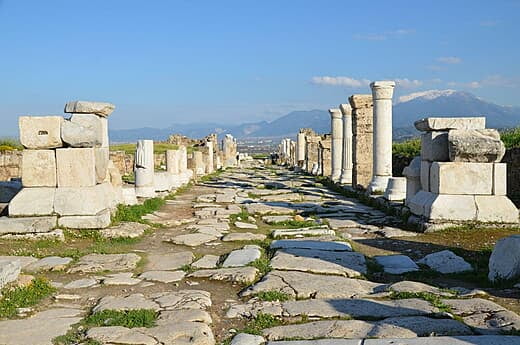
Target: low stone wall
<point>10,165</point>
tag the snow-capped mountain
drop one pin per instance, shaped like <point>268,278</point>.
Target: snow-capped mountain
<point>430,94</point>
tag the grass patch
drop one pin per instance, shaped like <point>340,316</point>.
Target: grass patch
<point>407,148</point>
<point>262,264</point>
<point>24,296</point>
<point>129,318</point>
<point>260,322</point>
<point>271,296</point>
<point>243,216</point>
<point>212,176</point>
<point>260,156</point>
<point>511,137</point>
<point>432,298</point>
<point>295,224</point>
<point>134,213</point>
<point>10,144</point>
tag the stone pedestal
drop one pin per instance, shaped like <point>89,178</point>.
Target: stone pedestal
<point>413,178</point>
<point>346,157</point>
<point>337,143</point>
<point>382,92</point>
<point>396,190</point>
<point>144,169</point>
<point>362,131</point>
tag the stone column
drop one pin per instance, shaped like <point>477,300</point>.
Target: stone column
<point>337,143</point>
<point>362,128</point>
<point>300,149</point>
<point>210,166</point>
<point>382,92</point>
<point>346,159</point>
<point>144,169</point>
<point>172,162</point>
<point>198,163</point>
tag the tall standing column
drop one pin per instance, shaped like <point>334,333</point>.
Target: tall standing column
<point>210,167</point>
<point>382,92</point>
<point>300,149</point>
<point>346,159</point>
<point>337,143</point>
<point>144,169</point>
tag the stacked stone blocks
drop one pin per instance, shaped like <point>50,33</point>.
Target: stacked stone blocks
<point>461,176</point>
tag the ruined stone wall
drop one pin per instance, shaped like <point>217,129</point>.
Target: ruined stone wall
<point>10,163</point>
<point>362,139</point>
<point>123,162</point>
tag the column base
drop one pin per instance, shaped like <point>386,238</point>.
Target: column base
<point>346,177</point>
<point>335,177</point>
<point>378,184</point>
<point>145,192</point>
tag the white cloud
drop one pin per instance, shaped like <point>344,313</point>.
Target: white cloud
<point>450,60</point>
<point>406,83</point>
<point>493,81</point>
<point>383,35</point>
<point>340,81</point>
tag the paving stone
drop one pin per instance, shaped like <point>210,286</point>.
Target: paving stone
<point>120,335</point>
<point>493,323</point>
<point>24,260</point>
<point>504,262</point>
<point>276,219</point>
<point>184,299</point>
<point>207,261</point>
<point>125,230</point>
<point>180,333</point>
<point>106,262</point>
<point>261,208</point>
<point>446,262</point>
<point>168,261</point>
<point>324,230</point>
<point>50,263</point>
<point>242,257</point>
<point>319,342</point>
<point>81,283</point>
<point>462,340</point>
<point>121,279</point>
<point>182,315</point>
<point>247,339</point>
<point>411,286</point>
<point>163,276</point>
<point>472,306</point>
<point>241,275</point>
<point>242,225</point>
<point>131,302</point>
<point>359,308</point>
<point>311,244</point>
<point>243,236</point>
<point>306,285</point>
<point>317,261</point>
<point>9,271</point>
<point>396,264</point>
<point>336,223</point>
<point>40,328</point>
<point>193,240</point>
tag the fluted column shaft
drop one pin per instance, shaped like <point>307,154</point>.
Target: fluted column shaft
<point>337,143</point>
<point>346,161</point>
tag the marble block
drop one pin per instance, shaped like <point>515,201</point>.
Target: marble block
<point>76,167</point>
<point>40,132</point>
<point>461,178</point>
<point>446,123</point>
<point>39,168</point>
<point>86,107</point>
<point>425,175</point>
<point>434,147</point>
<point>37,201</point>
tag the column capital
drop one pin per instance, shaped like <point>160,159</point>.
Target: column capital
<point>335,113</point>
<point>383,89</point>
<point>346,109</point>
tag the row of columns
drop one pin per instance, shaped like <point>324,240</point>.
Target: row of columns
<point>361,140</point>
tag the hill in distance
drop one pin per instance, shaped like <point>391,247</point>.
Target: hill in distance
<point>407,109</point>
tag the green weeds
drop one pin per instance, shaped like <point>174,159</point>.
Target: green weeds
<point>24,296</point>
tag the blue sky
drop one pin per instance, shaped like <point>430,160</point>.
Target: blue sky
<point>166,62</point>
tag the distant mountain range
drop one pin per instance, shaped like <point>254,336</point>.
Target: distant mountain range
<point>406,110</point>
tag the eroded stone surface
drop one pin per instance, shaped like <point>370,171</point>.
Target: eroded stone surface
<point>106,262</point>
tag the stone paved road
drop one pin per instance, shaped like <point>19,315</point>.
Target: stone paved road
<point>268,251</point>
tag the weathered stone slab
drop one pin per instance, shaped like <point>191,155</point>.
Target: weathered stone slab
<point>9,271</point>
<point>37,201</point>
<point>119,335</point>
<point>243,236</point>
<point>461,340</point>
<point>396,264</point>
<point>207,261</point>
<point>276,219</point>
<point>450,207</point>
<point>120,279</point>
<point>95,124</point>
<point>242,225</point>
<point>262,208</point>
<point>76,167</point>
<point>184,299</point>
<point>434,147</point>
<point>102,159</point>
<point>446,262</point>
<point>183,333</point>
<point>316,261</point>
<point>106,262</point>
<point>359,308</point>
<point>446,123</point>
<point>242,257</point>
<point>24,260</point>
<point>504,262</point>
<point>163,276</point>
<point>86,107</point>
<point>411,286</point>
<point>317,231</point>
<point>75,135</point>
<point>81,283</point>
<point>319,342</point>
<point>83,201</point>
<point>99,221</point>
<point>247,339</point>
<point>243,275</point>
<point>39,168</point>
<point>50,263</point>
<point>461,178</point>
<point>39,329</point>
<point>125,230</point>
<point>495,208</point>
<point>482,146</point>
<point>168,261</point>
<point>131,302</point>
<point>40,132</point>
<point>306,285</point>
<point>193,240</point>
<point>182,315</point>
<point>311,244</point>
